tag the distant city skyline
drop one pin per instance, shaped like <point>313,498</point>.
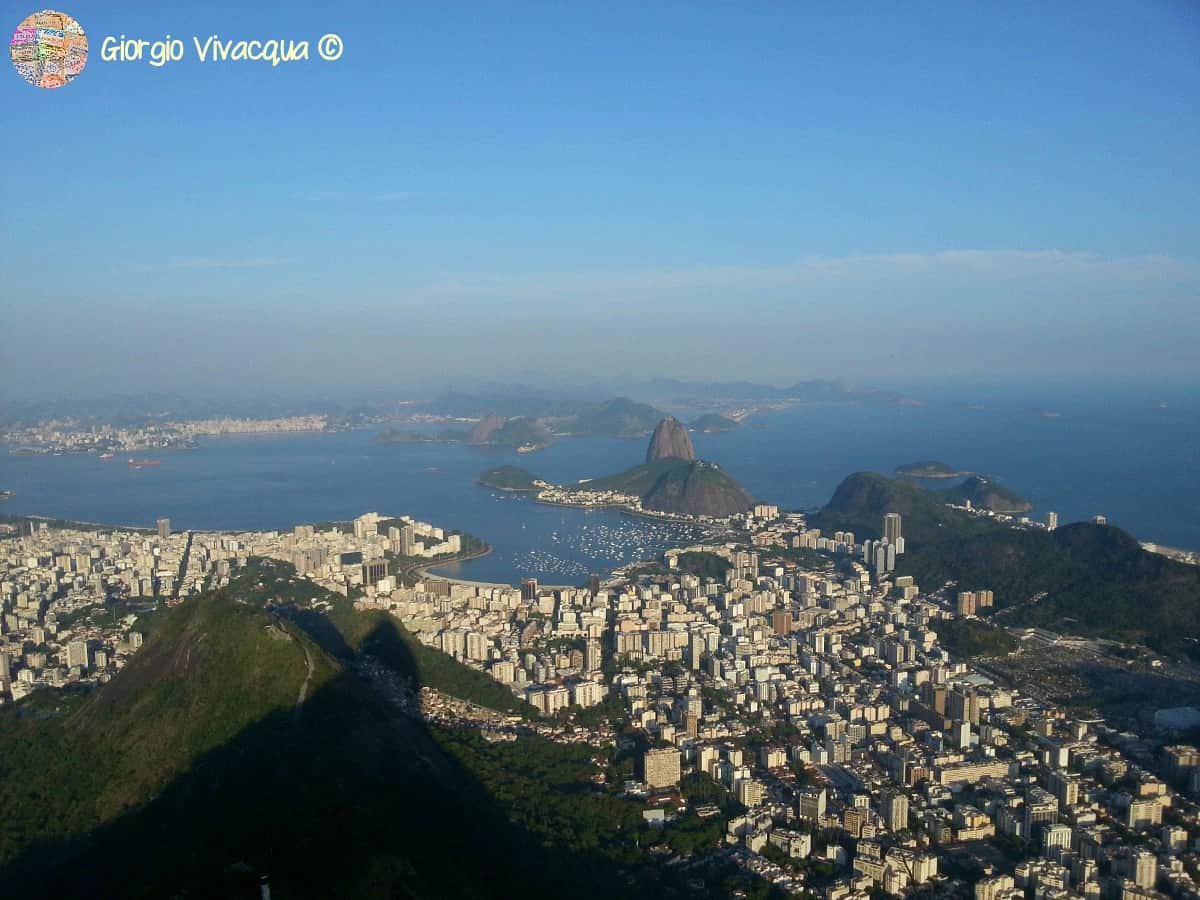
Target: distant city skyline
<point>759,191</point>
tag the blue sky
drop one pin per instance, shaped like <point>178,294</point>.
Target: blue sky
<point>771,190</point>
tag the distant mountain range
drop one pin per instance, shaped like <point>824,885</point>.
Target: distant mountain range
<point>600,408</point>
<point>673,392</point>
<point>669,392</point>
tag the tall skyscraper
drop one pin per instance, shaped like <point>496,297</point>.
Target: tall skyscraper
<point>891,527</point>
<point>164,529</point>
<point>529,589</point>
<point>1051,521</point>
<point>591,656</point>
<point>408,540</point>
<point>895,810</point>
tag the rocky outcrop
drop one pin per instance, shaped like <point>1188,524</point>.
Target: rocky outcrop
<point>670,441</point>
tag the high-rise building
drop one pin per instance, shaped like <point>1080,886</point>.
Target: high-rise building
<point>529,589</point>
<point>745,565</point>
<point>408,540</point>
<point>661,767</point>
<point>1065,786</point>
<point>810,805</point>
<point>891,527</point>
<point>592,656</point>
<point>374,571</point>
<point>962,705</point>
<point>1051,520</point>
<point>994,887</point>
<point>781,621</point>
<point>894,809</point>
<point>164,529</point>
<point>1041,810</point>
<point>586,693</point>
<point>77,654</point>
<point>1145,869</point>
<point>5,674</point>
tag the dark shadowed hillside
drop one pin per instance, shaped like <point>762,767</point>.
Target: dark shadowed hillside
<point>246,742</point>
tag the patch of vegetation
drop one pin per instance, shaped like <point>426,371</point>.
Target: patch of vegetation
<point>984,493</point>
<point>703,564</point>
<point>508,478</point>
<point>929,468</point>
<point>968,638</point>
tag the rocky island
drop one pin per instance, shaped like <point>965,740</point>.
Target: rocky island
<point>929,468</point>
<point>510,478</point>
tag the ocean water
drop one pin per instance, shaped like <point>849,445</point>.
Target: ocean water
<point>1131,456</point>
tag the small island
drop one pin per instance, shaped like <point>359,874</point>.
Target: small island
<point>714,423</point>
<point>930,468</point>
<point>403,436</point>
<point>510,478</point>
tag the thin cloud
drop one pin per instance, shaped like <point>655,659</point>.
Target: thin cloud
<point>861,270</point>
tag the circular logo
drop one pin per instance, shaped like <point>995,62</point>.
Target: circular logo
<point>48,49</point>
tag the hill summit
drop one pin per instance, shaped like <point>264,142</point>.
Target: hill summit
<point>672,480</point>
<point>670,441</point>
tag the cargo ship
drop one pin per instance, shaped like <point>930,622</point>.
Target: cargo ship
<point>142,463</point>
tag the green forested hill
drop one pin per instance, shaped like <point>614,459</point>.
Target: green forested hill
<point>508,478</point>
<point>1081,578</point>
<point>205,764</point>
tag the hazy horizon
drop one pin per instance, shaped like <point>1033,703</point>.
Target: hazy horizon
<point>709,193</point>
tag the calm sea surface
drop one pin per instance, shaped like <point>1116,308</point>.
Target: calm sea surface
<point>1129,457</point>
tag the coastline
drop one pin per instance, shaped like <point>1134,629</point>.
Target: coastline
<point>426,571</point>
<point>67,523</point>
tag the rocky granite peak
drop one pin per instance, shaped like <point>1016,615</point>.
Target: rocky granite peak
<point>670,441</point>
